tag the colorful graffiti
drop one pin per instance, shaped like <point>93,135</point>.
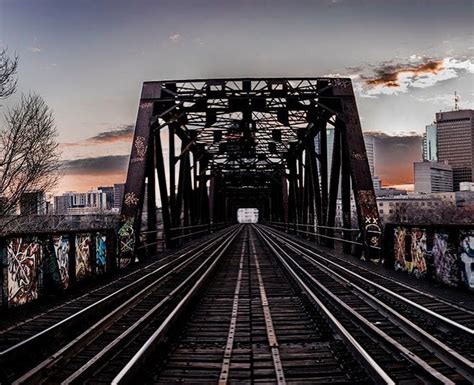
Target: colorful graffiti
<point>467,258</point>
<point>399,248</point>
<point>445,260</point>
<point>411,252</point>
<point>446,257</point>
<point>24,258</point>
<point>418,252</point>
<point>100,253</point>
<point>127,242</point>
<point>61,252</point>
<point>83,260</point>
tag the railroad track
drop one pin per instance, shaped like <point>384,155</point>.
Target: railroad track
<point>437,307</point>
<point>254,306</point>
<point>249,325</point>
<point>434,348</point>
<point>27,343</point>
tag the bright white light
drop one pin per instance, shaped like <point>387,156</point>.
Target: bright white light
<point>247,215</point>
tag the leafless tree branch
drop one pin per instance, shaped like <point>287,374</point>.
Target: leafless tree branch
<point>8,70</point>
<point>29,153</point>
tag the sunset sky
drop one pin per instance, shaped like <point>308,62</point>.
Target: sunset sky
<point>88,59</point>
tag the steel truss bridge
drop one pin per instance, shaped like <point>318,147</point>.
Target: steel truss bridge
<point>252,142</point>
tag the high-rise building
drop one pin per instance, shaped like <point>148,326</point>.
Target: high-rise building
<point>430,147</point>
<point>119,191</point>
<point>33,203</point>
<point>455,142</point>
<point>433,177</point>
<point>330,145</point>
<point>109,194</point>
<point>370,150</point>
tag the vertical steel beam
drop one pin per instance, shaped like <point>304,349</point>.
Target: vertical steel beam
<point>134,186</point>
<point>362,185</point>
<point>315,184</point>
<point>165,208</point>
<point>323,161</point>
<point>172,167</point>
<point>151,207</point>
<point>284,197</point>
<point>334,182</point>
<point>346,192</point>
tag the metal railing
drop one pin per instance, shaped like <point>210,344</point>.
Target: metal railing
<point>320,233</point>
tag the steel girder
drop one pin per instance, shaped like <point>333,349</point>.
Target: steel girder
<point>247,143</point>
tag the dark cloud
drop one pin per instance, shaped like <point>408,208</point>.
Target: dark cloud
<point>394,156</point>
<point>116,135</point>
<point>101,165</point>
<point>122,134</point>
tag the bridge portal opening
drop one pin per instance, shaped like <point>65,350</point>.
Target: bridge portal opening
<point>247,215</point>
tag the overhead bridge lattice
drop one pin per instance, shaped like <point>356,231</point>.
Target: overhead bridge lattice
<point>221,144</point>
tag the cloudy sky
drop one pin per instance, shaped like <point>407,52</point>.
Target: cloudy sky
<point>88,59</point>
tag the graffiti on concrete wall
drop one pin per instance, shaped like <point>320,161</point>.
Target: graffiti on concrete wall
<point>399,248</point>
<point>83,257</point>
<point>101,253</point>
<point>126,242</point>
<point>418,252</point>
<point>447,257</point>
<point>467,257</point>
<point>61,251</point>
<point>24,257</point>
<point>410,251</point>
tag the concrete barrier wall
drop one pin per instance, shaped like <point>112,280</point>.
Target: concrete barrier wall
<point>444,254</point>
<point>36,265</point>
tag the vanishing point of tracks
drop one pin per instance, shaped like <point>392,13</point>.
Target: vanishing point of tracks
<point>249,305</point>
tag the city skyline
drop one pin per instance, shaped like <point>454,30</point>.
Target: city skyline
<point>400,82</point>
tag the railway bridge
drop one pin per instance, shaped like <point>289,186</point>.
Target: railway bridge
<point>273,302</point>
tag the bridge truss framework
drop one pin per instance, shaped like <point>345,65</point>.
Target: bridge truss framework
<point>235,143</point>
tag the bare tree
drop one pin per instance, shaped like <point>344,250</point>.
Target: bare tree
<point>8,69</point>
<point>29,154</point>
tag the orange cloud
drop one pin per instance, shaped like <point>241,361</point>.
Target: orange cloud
<point>388,76</point>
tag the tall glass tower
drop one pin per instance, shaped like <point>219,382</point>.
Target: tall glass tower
<point>430,147</point>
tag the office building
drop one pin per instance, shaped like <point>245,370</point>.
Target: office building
<point>119,189</point>
<point>433,177</point>
<point>455,142</point>
<point>33,203</point>
<point>430,147</point>
<point>89,202</point>
<point>370,150</point>
<point>109,194</point>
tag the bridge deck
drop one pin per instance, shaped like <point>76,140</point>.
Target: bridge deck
<point>250,305</point>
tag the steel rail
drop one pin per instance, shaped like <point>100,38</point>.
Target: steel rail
<point>431,343</point>
<point>126,335</point>
<point>385,290</point>
<point>225,369</point>
<point>13,350</point>
<point>370,364</point>
<point>386,278</point>
<point>422,364</point>
<point>131,367</point>
<point>33,376</point>
<point>270,329</point>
